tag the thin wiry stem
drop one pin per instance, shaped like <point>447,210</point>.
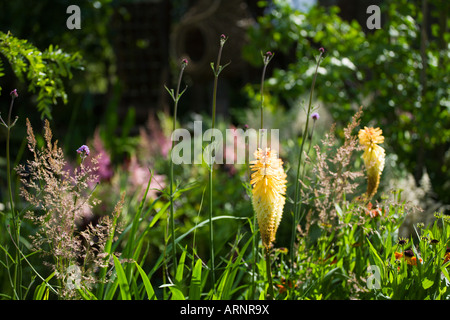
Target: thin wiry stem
<point>175,98</point>
<point>15,219</point>
<point>297,181</point>
<point>218,68</point>
<point>266,59</point>
<point>270,293</point>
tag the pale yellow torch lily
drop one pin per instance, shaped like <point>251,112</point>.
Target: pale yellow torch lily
<point>269,186</point>
<point>373,157</point>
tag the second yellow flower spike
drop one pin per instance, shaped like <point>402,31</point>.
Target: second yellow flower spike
<point>373,157</point>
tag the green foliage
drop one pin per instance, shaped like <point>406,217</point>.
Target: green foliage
<point>42,70</point>
<point>425,277</point>
<point>331,261</point>
<point>400,79</point>
<point>341,241</point>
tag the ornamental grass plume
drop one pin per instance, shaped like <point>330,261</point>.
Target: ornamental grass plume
<point>269,186</point>
<point>373,157</point>
<point>59,199</point>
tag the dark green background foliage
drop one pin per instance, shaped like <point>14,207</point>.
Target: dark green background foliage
<point>71,80</point>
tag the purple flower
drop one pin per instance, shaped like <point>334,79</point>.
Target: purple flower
<point>223,38</point>
<point>267,57</point>
<point>315,116</point>
<point>14,93</point>
<point>321,49</point>
<point>84,150</point>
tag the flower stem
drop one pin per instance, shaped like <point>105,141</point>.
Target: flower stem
<point>15,219</point>
<point>270,293</point>
<point>262,95</point>
<point>266,59</point>
<point>175,98</point>
<point>216,71</point>
<point>297,181</point>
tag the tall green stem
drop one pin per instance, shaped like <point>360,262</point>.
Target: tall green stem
<point>262,93</point>
<point>176,98</point>
<point>15,226</point>
<point>270,292</point>
<point>266,59</point>
<point>297,181</point>
<point>218,68</point>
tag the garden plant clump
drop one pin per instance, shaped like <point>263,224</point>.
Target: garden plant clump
<point>308,217</point>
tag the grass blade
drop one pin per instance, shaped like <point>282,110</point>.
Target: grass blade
<point>123,283</point>
<point>42,290</point>
<point>148,286</point>
<point>180,268</point>
<point>176,293</point>
<point>196,281</point>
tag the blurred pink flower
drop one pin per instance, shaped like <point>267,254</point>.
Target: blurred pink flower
<point>154,140</point>
<point>139,177</point>
<point>105,170</point>
<point>235,144</point>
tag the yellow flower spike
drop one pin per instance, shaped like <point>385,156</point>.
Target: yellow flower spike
<point>269,186</point>
<point>373,157</point>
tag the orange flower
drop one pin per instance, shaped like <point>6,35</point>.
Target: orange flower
<point>373,213</point>
<point>410,258</point>
<point>447,255</point>
<point>283,287</point>
<point>398,255</point>
<point>412,261</point>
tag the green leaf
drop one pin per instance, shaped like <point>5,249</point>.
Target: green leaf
<point>176,293</point>
<point>123,283</point>
<point>339,210</point>
<point>378,261</point>
<point>136,220</point>
<point>42,290</point>
<point>180,268</point>
<point>196,280</point>
<point>224,289</point>
<point>86,294</point>
<point>427,283</point>
<point>148,286</point>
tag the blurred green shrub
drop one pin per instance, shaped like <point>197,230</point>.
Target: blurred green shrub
<point>42,70</point>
